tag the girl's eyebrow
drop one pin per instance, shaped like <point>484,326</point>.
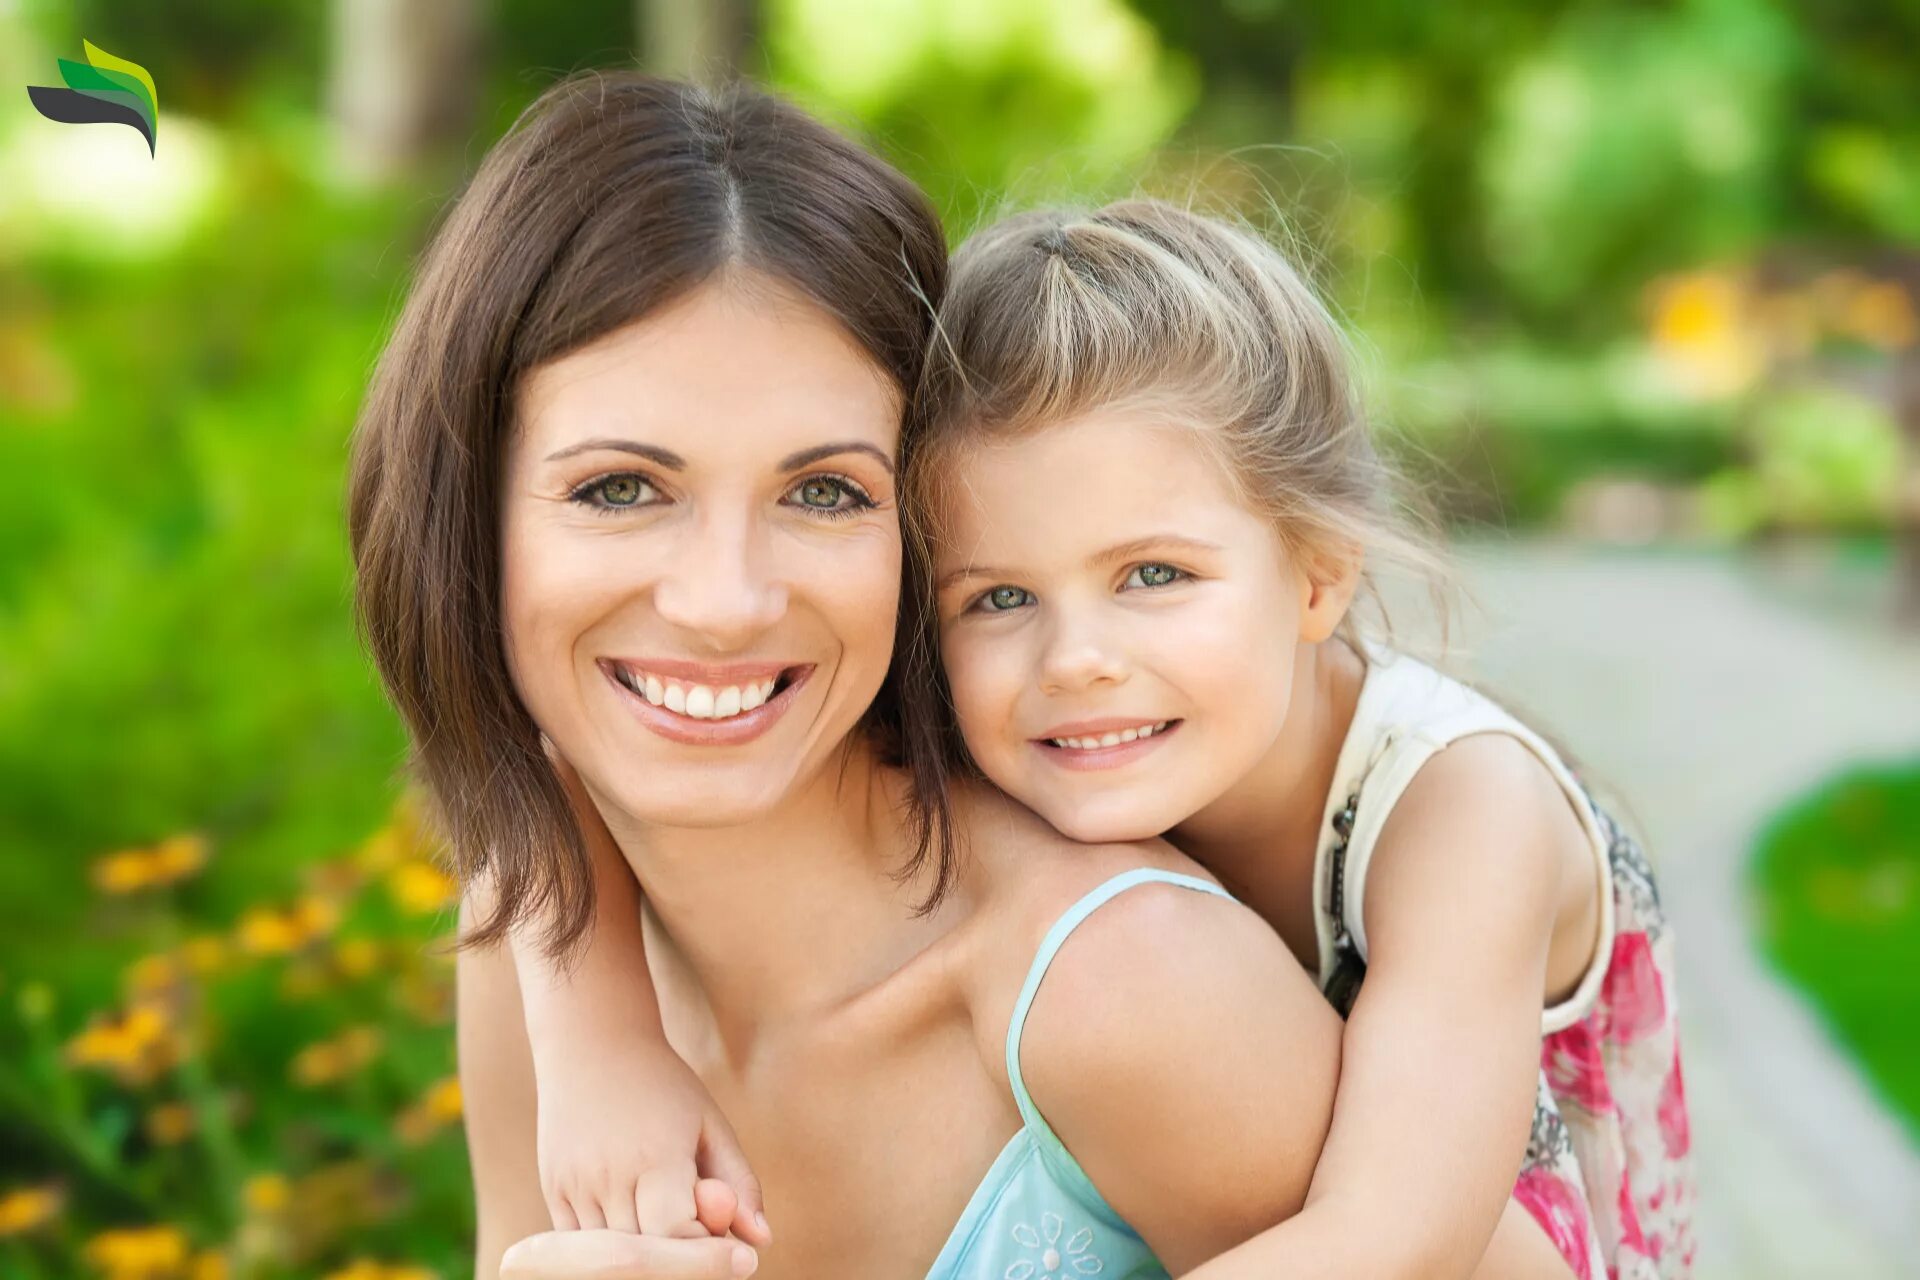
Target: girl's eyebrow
<point>1152,542</point>
<point>1122,551</point>
<point>674,462</point>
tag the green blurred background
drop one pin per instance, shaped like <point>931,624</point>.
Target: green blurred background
<point>1637,285</point>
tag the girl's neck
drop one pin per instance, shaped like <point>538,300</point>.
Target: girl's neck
<point>795,912</point>
<point>1260,837</point>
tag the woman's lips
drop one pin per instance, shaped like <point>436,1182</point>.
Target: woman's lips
<point>712,725</point>
<point>1083,757</point>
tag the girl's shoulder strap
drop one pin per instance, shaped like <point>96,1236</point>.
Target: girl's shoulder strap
<point>1408,713</point>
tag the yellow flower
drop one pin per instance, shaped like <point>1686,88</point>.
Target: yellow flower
<point>136,1046</point>
<point>152,973</point>
<point>1704,332</point>
<point>325,1061</point>
<point>316,915</point>
<point>169,1123</point>
<point>125,872</point>
<point>178,857</point>
<point>366,1269</point>
<point>27,1208</point>
<point>357,957</point>
<point>168,862</point>
<point>138,1253</point>
<point>420,887</point>
<point>204,954</point>
<point>265,1193</point>
<point>211,1265</point>
<point>264,932</point>
<point>443,1100</point>
<point>315,1065</point>
<point>1881,315</point>
<point>383,850</point>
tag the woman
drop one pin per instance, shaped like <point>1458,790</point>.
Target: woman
<point>639,419</point>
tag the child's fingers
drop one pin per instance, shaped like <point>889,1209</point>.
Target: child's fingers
<point>715,1205</point>
<point>561,1211</point>
<point>611,1255</point>
<point>663,1202</point>
<point>586,1212</point>
<point>618,1209</point>
<point>722,1158</point>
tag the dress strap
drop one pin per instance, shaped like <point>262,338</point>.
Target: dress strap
<point>1066,1170</point>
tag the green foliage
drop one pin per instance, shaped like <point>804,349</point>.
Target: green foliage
<point>175,647</point>
<point>1838,873</point>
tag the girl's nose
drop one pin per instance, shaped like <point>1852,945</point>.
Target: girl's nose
<point>1078,657</point>
<point>719,586</point>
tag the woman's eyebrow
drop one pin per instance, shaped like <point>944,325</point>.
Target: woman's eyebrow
<point>653,452</point>
<point>805,457</point>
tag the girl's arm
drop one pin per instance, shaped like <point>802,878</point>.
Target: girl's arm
<point>625,1127</point>
<point>496,1078</point>
<point>1441,1055</point>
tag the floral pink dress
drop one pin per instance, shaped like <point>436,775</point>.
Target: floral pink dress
<point>1606,1173</point>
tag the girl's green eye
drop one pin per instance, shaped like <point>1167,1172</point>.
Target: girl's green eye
<point>1152,575</point>
<point>1001,599</point>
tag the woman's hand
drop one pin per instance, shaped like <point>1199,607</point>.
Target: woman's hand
<point>616,1255</point>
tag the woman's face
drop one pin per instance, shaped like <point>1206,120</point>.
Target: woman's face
<point>701,552</point>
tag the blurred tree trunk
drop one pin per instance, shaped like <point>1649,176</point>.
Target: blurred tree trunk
<point>403,83</point>
<point>703,40</point>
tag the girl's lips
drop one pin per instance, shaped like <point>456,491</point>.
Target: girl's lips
<point>733,730</point>
<point>1123,753</point>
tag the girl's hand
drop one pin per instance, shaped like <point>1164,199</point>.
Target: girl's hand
<point>613,1255</point>
<point>629,1138</point>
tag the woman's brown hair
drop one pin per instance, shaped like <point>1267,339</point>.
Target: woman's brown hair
<point>612,196</point>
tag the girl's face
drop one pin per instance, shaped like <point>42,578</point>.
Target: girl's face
<point>1118,630</point>
<point>701,553</point>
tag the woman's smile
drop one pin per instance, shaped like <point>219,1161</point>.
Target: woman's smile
<point>705,705</point>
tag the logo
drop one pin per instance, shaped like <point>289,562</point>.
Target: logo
<point>110,91</point>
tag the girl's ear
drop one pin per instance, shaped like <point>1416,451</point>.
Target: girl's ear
<point>1328,580</point>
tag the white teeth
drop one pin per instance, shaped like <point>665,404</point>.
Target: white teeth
<point>699,701</point>
<point>1110,739</point>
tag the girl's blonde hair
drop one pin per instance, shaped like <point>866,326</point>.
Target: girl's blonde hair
<point>1144,305</point>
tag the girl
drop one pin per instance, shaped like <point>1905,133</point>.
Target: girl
<point>1146,499</point>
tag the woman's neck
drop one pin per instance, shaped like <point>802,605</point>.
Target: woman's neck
<point>795,912</point>
<point>1261,836</point>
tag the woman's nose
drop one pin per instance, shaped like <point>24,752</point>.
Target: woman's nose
<point>719,586</point>
<point>1079,656</point>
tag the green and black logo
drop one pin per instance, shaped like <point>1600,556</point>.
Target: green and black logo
<point>109,91</point>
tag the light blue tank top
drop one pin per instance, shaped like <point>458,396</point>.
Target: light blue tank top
<point>1037,1216</point>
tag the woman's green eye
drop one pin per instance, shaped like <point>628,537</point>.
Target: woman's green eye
<point>822,492</point>
<point>621,491</point>
<point>1004,598</point>
<point>1152,575</point>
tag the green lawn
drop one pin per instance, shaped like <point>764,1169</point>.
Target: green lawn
<point>1838,872</point>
